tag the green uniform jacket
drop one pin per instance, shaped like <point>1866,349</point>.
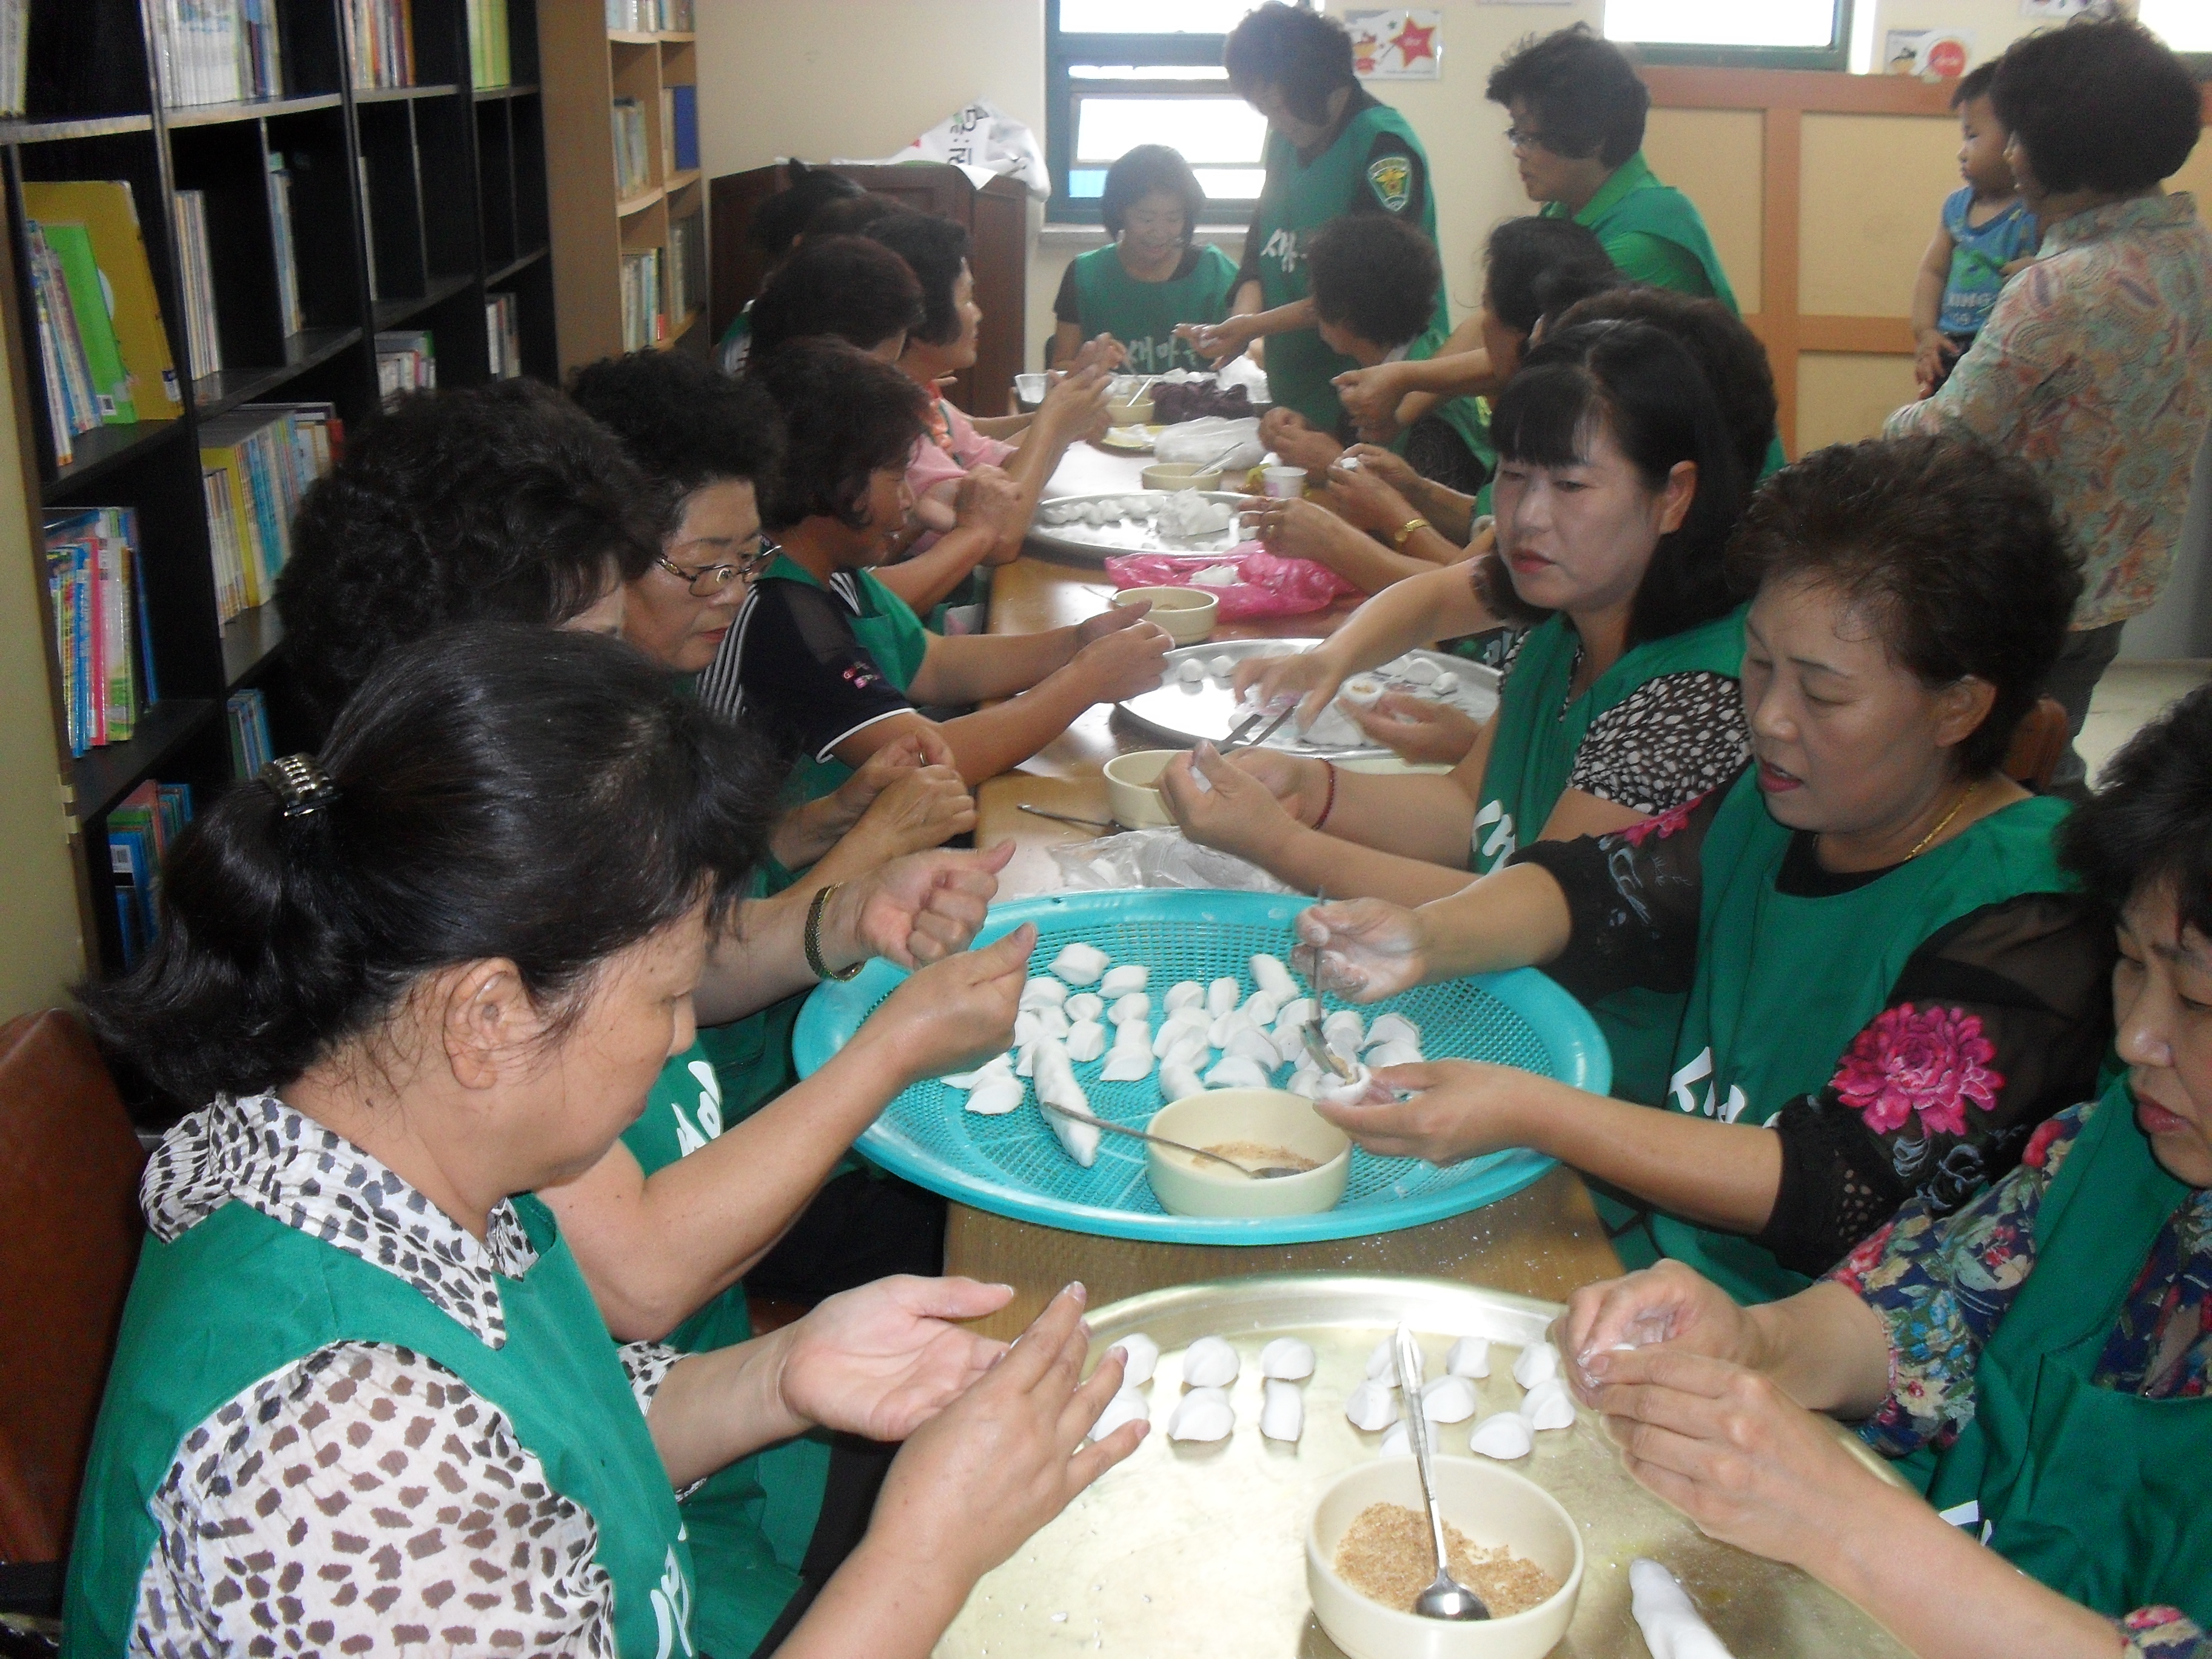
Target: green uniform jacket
<point>1783,984</point>
<point>238,1296</point>
<point>1143,316</point>
<point>1540,727</point>
<point>1297,199</point>
<point>750,1524</point>
<point>2098,1493</point>
<point>1653,232</point>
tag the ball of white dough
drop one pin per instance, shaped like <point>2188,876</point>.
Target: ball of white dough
<point>1083,1005</point>
<point>1469,1356</point>
<point>1185,994</point>
<point>1504,1436</point>
<point>1126,1407</point>
<point>1549,1405</point>
<point>1143,1356</point>
<point>1202,1414</point>
<point>1372,1405</point>
<point>1086,1039</point>
<point>1190,669</point>
<point>1536,1362</point>
<point>1080,964</point>
<point>1222,995</point>
<point>1449,1399</point>
<point>1383,1364</point>
<point>1222,667</point>
<point>1445,684</point>
<point>1398,1442</point>
<point>1131,1005</point>
<point>1287,1358</point>
<point>1210,1363</point>
<point>1282,1410</point>
<point>1043,992</point>
<point>1119,981</point>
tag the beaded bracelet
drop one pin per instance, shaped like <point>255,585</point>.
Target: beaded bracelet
<point>822,969</point>
<point>1328,803</point>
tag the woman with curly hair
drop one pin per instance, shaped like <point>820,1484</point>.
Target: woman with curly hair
<point>2050,1342</point>
<point>1890,981</point>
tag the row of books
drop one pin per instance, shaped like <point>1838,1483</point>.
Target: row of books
<point>256,462</point>
<point>490,62</point>
<point>679,128</point>
<point>139,832</point>
<point>100,636</point>
<point>633,159</point>
<point>650,16</point>
<point>203,338</point>
<point>15,53</point>
<point>103,353</point>
<point>644,303</point>
<point>288,258</point>
<point>501,338</point>
<point>687,267</point>
<point>381,34</point>
<point>247,714</point>
<point>218,52</point>
<point>407,360</point>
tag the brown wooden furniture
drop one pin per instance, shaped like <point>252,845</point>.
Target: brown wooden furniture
<point>2037,743</point>
<point>997,216</point>
<point>68,1189</point>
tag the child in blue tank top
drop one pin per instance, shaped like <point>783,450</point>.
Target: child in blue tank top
<point>1985,233</point>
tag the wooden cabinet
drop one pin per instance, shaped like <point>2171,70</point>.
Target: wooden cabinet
<point>997,217</point>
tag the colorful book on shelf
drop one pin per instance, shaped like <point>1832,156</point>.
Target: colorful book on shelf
<point>407,360</point>
<point>247,715</point>
<point>218,52</point>
<point>140,830</point>
<point>684,121</point>
<point>502,338</point>
<point>380,35</point>
<point>202,335</point>
<point>71,409</point>
<point>109,214</point>
<point>256,463</point>
<point>490,60</point>
<point>70,245</point>
<point>14,54</point>
<point>99,634</point>
<point>633,159</point>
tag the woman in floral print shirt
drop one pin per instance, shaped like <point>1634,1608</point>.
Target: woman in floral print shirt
<point>2051,1339</point>
<point>1879,955</point>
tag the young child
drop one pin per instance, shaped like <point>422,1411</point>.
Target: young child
<point>1985,235</point>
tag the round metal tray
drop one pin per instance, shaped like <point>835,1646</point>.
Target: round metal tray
<point>1200,1549</point>
<point>1186,713</point>
<point>1095,544</point>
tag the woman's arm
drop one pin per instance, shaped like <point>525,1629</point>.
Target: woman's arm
<point>1451,512</point>
<point>1219,342</point>
<point>987,519</point>
<point>1306,530</point>
<point>1067,341</point>
<point>1437,604</point>
<point>1073,408</point>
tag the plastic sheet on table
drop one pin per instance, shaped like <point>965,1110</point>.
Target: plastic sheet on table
<point>1156,857</point>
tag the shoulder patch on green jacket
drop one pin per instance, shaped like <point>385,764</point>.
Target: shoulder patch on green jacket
<point>1391,178</point>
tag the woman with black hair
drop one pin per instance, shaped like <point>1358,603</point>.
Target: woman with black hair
<point>1151,276</point>
<point>2096,362</point>
<point>1333,148</point>
<point>835,665</point>
<point>2050,1343</point>
<point>1872,949</point>
<point>417,978</point>
<point>777,224</point>
<point>1617,492</point>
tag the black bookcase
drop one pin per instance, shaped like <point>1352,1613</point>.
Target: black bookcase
<point>454,209</point>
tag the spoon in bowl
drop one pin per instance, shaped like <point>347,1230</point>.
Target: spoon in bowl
<point>1263,1172</point>
<point>1445,1597</point>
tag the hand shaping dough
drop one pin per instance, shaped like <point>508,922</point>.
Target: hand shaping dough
<point>1144,1354</point>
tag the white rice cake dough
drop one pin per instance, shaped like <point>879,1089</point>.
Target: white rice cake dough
<point>1185,994</point>
<point>1211,1362</point>
<point>1119,981</point>
<point>1178,1081</point>
<point>1449,1399</point>
<point>1372,1407</point>
<point>1083,1005</point>
<point>1191,670</point>
<point>1236,1072</point>
<point>1043,992</point>
<point>1548,1405</point>
<point>1469,1356</point>
<point>1287,1358</point>
<point>1202,1414</point>
<point>1131,1005</point>
<point>1399,1441</point>
<point>1126,1406</point>
<point>1086,1039</point>
<point>1391,1027</point>
<point>1269,974</point>
<point>1282,1410</point>
<point>1505,1436</point>
<point>1222,996</point>
<point>1080,964</point>
<point>1143,1356</point>
<point>1535,1363</point>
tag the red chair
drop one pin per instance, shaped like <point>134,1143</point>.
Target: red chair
<point>2037,742</point>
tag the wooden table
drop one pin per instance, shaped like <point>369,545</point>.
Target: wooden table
<point>1544,1241</point>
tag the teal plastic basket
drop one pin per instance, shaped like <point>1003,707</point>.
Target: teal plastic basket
<point>1011,1165</point>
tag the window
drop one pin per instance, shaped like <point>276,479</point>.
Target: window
<point>2185,25</point>
<point>1119,73</point>
<point>1769,34</point>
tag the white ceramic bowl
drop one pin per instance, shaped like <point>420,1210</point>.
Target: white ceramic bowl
<point>1272,1117</point>
<point>1132,789</point>
<point>1181,475</point>
<point>1186,613</point>
<point>1124,412</point>
<point>1491,1506</point>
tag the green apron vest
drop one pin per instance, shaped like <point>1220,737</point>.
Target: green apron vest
<point>748,1524</point>
<point>1143,316</point>
<point>1634,203</point>
<point>1539,729</point>
<point>888,630</point>
<point>1297,199</point>
<point>238,1296</point>
<point>2097,1493</point>
<point>1468,416</point>
<point>1783,984</point>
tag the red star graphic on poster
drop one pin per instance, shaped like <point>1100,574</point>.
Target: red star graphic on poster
<point>1413,43</point>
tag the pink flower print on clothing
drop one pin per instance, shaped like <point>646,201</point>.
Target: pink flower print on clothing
<point>1661,825</point>
<point>1931,1062</point>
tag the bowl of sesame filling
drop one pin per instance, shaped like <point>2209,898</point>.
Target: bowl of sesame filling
<point>1369,1554</point>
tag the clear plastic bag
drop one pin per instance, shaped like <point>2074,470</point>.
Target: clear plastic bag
<point>1156,857</point>
<point>1266,584</point>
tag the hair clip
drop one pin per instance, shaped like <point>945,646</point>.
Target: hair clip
<point>300,782</point>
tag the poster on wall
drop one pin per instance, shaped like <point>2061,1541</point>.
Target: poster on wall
<point>1400,44</point>
<point>2045,12</point>
<point>1931,54</point>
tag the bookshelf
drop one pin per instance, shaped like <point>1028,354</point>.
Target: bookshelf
<point>408,208</point>
<point>605,229</point>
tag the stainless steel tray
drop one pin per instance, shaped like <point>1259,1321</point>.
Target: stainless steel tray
<point>1095,544</point>
<point>1186,713</point>
<point>1200,1549</point>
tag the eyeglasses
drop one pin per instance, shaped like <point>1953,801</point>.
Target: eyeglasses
<point>709,581</point>
<point>1520,138</point>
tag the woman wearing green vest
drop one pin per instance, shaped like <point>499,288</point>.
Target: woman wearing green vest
<point>1883,964</point>
<point>1617,491</point>
<point>829,662</point>
<point>1151,276</point>
<point>362,1400</point>
<point>2051,1343</point>
<point>1578,112</point>
<point>1332,149</point>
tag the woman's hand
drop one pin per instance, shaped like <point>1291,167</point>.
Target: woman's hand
<point>1296,441</point>
<point>1460,1109</point>
<point>1391,468</point>
<point>851,800</point>
<point>1301,784</point>
<point>1423,730</point>
<point>1101,351</point>
<point>1237,813</point>
<point>1371,395</point>
<point>1666,1303</point>
<point>988,500</point>
<point>975,1481</point>
<point>1364,949</point>
<point>921,810</point>
<point>1932,360</point>
<point>955,1013</point>
<point>1731,1450</point>
<point>1120,654</point>
<point>1219,342</point>
<point>914,910</point>
<point>1301,528</point>
<point>1075,407</point>
<point>881,1360</point>
<point>1361,498</point>
<point>1311,675</point>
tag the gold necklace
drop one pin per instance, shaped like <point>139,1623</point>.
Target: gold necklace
<point>1922,846</point>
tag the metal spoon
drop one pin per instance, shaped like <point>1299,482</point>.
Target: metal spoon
<point>1316,1045</point>
<point>1445,1597</point>
<point>1265,1172</point>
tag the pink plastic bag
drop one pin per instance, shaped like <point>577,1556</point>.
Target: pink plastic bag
<point>1266,585</point>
